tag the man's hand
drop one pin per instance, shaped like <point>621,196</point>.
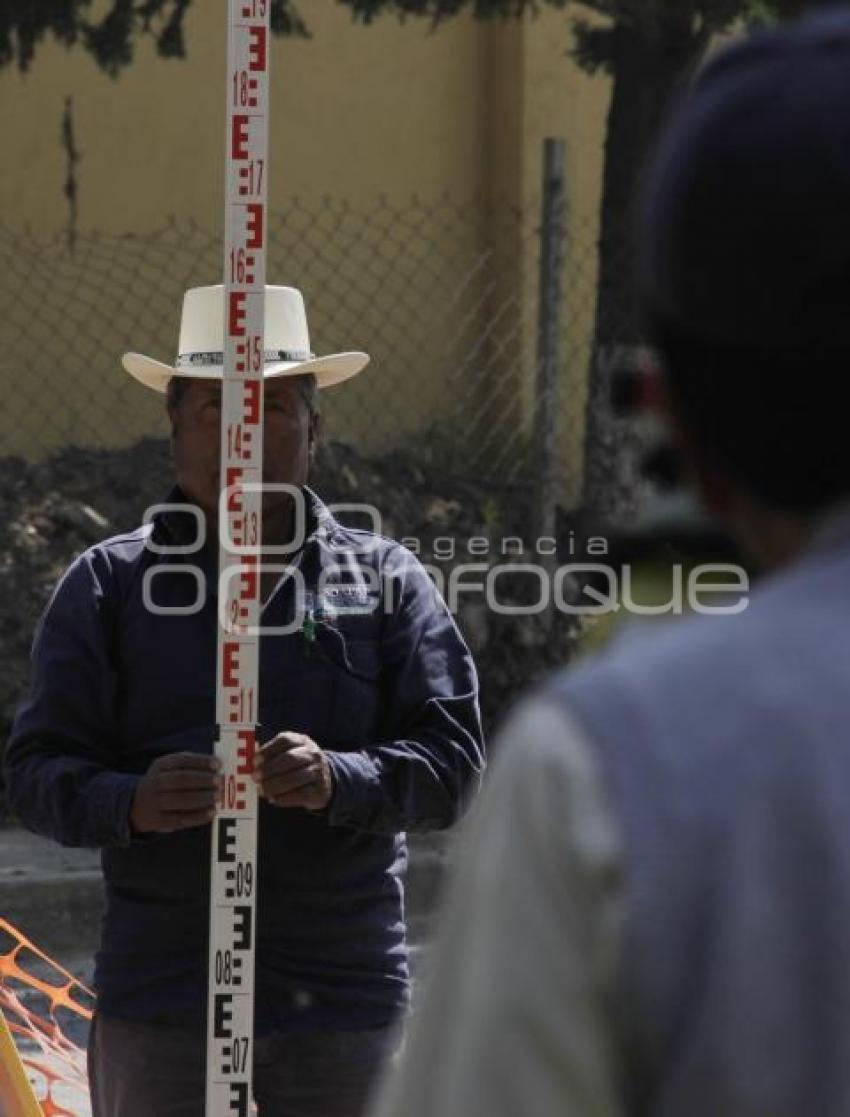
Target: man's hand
<point>176,793</point>
<point>292,771</point>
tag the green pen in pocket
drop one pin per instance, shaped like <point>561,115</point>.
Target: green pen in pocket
<point>308,627</point>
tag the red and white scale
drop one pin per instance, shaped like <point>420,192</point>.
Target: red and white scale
<point>230,1020</point>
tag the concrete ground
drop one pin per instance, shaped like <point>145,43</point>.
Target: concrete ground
<point>50,894</point>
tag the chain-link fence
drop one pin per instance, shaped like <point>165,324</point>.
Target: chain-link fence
<point>444,295</point>
<point>441,433</point>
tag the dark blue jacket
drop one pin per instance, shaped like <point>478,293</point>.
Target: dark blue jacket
<point>390,692</point>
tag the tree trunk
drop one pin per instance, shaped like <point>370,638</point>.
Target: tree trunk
<point>648,63</point>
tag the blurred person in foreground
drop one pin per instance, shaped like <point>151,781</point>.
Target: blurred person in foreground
<point>651,913</point>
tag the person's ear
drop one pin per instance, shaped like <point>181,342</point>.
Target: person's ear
<point>314,430</point>
<point>173,421</point>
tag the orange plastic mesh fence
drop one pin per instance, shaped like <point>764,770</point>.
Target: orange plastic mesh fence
<point>36,993</point>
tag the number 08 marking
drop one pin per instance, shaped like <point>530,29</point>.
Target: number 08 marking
<point>230,1015</point>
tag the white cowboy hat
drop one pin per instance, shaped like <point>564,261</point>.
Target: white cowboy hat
<point>287,343</point>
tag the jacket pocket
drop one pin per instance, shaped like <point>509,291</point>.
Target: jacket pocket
<point>356,667</point>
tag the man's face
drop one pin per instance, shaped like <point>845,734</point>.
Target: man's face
<point>288,441</point>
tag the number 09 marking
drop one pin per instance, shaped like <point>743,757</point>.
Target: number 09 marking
<point>233,868</point>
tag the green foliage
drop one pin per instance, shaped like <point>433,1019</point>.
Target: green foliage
<point>693,20</point>
<point>110,40</point>
<point>24,24</point>
<point>438,11</point>
<point>596,44</point>
<point>762,13</point>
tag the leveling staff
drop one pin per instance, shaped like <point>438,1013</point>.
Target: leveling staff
<point>372,709</point>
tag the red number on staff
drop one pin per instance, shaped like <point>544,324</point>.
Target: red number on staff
<point>232,796</point>
<point>255,352</point>
<point>237,265</point>
<point>246,705</point>
<point>235,607</point>
<point>234,440</point>
<point>228,793</point>
<point>253,176</point>
<point>240,88</point>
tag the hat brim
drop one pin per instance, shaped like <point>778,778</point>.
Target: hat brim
<point>328,371</point>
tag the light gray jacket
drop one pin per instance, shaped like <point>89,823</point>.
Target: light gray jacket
<point>651,912</point>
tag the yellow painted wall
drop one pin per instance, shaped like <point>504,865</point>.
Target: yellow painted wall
<point>362,120</point>
<point>355,110</point>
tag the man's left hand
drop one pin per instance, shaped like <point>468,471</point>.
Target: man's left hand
<point>292,771</point>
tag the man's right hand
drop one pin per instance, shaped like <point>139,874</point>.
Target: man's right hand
<point>176,793</point>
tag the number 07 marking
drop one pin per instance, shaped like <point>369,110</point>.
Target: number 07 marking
<point>233,879</point>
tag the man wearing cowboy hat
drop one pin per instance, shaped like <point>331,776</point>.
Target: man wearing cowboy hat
<point>369,712</point>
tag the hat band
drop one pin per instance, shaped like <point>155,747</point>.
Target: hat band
<point>193,360</point>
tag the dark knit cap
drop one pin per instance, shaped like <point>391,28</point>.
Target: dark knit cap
<point>745,227</point>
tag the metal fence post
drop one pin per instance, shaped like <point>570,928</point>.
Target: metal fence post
<point>552,238</point>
